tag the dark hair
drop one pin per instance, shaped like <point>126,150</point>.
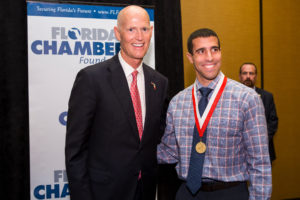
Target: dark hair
<point>203,32</point>
<point>248,63</point>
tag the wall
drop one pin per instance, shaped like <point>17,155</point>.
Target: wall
<point>237,27</point>
<point>237,23</point>
<point>281,22</point>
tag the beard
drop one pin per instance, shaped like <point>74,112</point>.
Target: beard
<point>248,83</point>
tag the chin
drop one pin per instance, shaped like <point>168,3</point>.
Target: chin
<point>139,55</point>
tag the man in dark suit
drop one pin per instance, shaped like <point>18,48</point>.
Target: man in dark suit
<point>248,74</point>
<point>115,119</point>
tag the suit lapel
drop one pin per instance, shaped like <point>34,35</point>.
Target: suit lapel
<point>262,95</point>
<point>259,91</point>
<point>121,90</point>
<point>149,95</point>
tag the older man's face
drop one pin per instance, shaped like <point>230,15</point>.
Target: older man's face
<point>248,75</point>
<point>134,34</point>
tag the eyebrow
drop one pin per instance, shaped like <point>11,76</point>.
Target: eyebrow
<point>203,48</point>
<point>215,47</point>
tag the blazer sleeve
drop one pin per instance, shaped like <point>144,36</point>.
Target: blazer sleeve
<point>81,111</point>
<point>165,101</point>
<point>272,119</point>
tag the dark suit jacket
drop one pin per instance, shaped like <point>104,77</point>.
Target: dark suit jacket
<point>271,117</point>
<point>104,154</point>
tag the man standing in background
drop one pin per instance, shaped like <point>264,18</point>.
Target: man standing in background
<point>248,74</point>
<point>115,119</point>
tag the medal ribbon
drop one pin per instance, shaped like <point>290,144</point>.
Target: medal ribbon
<point>201,122</point>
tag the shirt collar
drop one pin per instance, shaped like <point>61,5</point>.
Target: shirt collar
<point>127,68</point>
<point>212,85</point>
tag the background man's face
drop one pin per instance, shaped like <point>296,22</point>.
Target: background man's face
<point>248,75</point>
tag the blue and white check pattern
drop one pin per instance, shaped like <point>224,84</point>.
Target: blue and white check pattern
<point>237,140</point>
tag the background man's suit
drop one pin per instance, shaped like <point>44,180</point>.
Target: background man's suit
<point>104,154</point>
<point>271,117</point>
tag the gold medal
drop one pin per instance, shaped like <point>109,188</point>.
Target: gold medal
<point>200,147</point>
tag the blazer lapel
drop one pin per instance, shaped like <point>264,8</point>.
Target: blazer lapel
<point>121,90</point>
<point>150,87</point>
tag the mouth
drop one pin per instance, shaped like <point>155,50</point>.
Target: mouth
<point>248,82</point>
<point>138,45</point>
<point>209,66</point>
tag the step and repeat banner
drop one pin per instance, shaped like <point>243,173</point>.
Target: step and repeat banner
<point>62,39</point>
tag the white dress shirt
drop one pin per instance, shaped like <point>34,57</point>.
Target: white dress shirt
<point>140,82</point>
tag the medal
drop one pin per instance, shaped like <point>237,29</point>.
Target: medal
<point>202,121</point>
<point>200,147</point>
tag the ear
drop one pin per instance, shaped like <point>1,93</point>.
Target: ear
<point>190,57</point>
<point>151,30</point>
<point>117,33</point>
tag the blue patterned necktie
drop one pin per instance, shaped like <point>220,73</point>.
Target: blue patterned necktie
<point>196,161</point>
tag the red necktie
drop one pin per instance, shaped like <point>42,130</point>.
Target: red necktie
<point>135,96</point>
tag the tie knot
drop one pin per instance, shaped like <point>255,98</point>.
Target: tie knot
<point>205,91</point>
<point>134,73</point>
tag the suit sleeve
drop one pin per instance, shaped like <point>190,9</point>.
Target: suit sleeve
<point>80,114</point>
<point>164,109</point>
<point>272,119</point>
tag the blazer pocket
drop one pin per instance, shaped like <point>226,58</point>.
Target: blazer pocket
<point>99,176</point>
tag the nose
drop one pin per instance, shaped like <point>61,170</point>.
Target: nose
<point>209,56</point>
<point>139,35</point>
